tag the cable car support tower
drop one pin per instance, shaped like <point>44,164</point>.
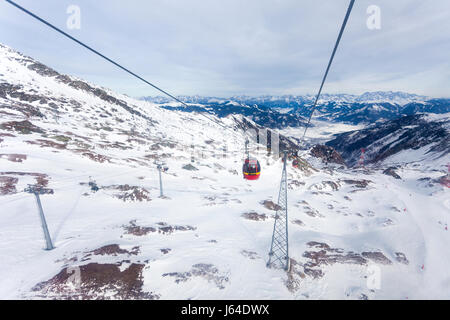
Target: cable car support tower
<point>37,191</point>
<point>279,249</point>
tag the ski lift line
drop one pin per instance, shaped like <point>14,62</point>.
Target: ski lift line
<point>105,57</point>
<point>349,10</point>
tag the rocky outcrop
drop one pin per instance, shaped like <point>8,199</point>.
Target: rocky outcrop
<point>190,167</point>
<point>327,154</point>
<point>201,270</point>
<point>254,216</point>
<point>391,172</point>
<point>8,185</point>
<point>160,227</point>
<point>322,254</point>
<point>270,205</point>
<point>22,127</point>
<point>96,281</point>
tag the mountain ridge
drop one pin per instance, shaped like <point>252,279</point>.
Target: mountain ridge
<point>292,111</point>
<point>369,96</point>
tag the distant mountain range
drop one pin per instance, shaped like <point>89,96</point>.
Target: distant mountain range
<point>292,111</point>
<point>397,97</point>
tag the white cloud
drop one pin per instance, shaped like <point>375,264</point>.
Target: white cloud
<point>231,47</point>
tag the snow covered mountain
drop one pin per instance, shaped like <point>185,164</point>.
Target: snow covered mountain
<point>265,117</point>
<point>290,111</point>
<point>410,138</point>
<point>354,233</point>
<point>400,98</point>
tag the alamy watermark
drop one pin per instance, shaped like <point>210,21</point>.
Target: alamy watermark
<point>374,20</point>
<point>74,19</point>
<point>261,141</point>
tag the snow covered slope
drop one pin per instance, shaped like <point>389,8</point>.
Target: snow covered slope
<point>210,234</point>
<point>419,137</point>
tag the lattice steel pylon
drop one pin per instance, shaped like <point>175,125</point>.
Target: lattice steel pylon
<point>279,249</point>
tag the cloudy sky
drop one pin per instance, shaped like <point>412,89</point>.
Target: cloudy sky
<point>232,47</point>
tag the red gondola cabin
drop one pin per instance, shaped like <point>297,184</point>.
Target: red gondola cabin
<point>251,169</point>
